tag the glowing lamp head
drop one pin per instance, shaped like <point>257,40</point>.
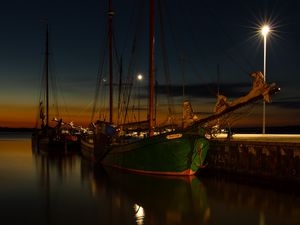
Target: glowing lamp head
<point>140,77</point>
<point>265,30</point>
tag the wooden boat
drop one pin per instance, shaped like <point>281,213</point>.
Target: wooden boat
<point>58,138</point>
<point>175,151</point>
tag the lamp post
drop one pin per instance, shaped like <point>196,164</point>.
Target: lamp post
<point>140,78</point>
<point>264,31</point>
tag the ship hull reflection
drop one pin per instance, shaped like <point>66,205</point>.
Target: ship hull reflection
<point>152,199</point>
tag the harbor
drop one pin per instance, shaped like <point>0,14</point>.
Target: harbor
<point>155,112</point>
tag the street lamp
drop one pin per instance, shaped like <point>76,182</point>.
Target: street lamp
<point>140,78</point>
<point>264,31</point>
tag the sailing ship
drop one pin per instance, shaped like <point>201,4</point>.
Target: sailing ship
<point>163,151</point>
<point>60,137</point>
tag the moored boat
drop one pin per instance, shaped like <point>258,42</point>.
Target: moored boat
<point>157,150</point>
<point>173,153</point>
<point>56,137</point>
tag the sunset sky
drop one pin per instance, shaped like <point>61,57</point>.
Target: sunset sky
<point>199,36</point>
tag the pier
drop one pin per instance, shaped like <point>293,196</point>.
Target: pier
<point>265,157</point>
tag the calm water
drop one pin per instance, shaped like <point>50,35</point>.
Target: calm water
<point>45,189</point>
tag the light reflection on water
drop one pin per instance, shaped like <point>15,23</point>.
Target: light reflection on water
<point>139,214</point>
<point>65,189</point>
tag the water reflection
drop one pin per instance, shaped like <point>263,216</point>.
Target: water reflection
<point>139,214</point>
<point>151,199</point>
<point>42,189</point>
<point>235,202</point>
<point>110,196</point>
<point>61,167</point>
<point>58,179</point>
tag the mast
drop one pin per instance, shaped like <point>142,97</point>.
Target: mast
<point>151,68</point>
<point>47,75</point>
<point>218,79</point>
<point>120,89</point>
<point>110,34</point>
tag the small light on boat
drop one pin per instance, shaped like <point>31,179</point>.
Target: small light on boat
<point>174,136</point>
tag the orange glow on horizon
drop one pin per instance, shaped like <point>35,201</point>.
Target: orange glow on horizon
<point>14,116</point>
<point>25,117</point>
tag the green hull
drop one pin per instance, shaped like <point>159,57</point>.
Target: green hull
<point>169,154</point>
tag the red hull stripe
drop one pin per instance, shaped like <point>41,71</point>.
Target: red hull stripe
<point>188,172</point>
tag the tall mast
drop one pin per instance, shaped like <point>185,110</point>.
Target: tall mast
<point>218,79</point>
<point>110,47</point>
<point>151,68</point>
<point>47,75</point>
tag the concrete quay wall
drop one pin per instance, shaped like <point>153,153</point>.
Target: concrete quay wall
<point>275,160</point>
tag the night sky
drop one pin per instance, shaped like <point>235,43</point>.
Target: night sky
<point>199,36</point>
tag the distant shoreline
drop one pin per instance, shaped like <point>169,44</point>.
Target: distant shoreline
<point>9,129</point>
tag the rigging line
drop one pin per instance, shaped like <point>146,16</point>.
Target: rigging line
<point>103,93</point>
<point>38,108</point>
<point>130,78</point>
<point>193,37</point>
<point>165,60</point>
<point>182,64</point>
<point>116,58</point>
<point>119,66</point>
<point>99,78</point>
<point>219,24</point>
<point>52,76</point>
<point>168,15</point>
<point>129,83</point>
<point>128,97</point>
<point>62,108</point>
<point>131,20</point>
<point>118,62</point>
<point>42,67</point>
<point>232,118</point>
<point>168,19</point>
<point>120,89</point>
<point>42,94</point>
<point>175,37</point>
<point>40,103</point>
<point>103,109</point>
<point>169,24</point>
<point>54,87</point>
<point>208,86</point>
<point>184,60</point>
<point>64,102</point>
<point>84,109</point>
<point>40,91</point>
<point>52,81</point>
<point>224,51</point>
<point>127,94</point>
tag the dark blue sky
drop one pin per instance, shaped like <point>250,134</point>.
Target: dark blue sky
<point>203,33</point>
